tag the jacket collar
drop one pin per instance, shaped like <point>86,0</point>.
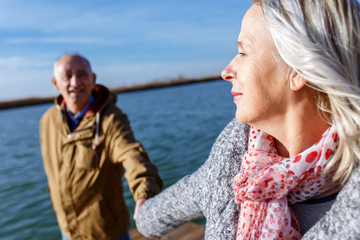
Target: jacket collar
<point>102,96</point>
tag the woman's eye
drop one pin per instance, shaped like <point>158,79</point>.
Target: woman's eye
<point>242,54</point>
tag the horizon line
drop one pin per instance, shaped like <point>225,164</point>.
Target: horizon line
<point>30,101</point>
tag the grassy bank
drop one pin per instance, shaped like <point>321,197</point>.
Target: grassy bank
<point>138,87</point>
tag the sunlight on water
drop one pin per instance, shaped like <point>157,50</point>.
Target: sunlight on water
<point>176,125</point>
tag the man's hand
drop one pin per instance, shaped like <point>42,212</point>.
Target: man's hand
<point>137,206</point>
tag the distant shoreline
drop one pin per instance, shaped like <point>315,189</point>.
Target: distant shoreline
<point>138,87</point>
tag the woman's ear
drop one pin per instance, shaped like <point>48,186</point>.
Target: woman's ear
<point>297,82</point>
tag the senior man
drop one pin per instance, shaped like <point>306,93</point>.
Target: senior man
<point>87,144</point>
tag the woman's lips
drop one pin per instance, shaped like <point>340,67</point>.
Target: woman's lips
<point>237,95</point>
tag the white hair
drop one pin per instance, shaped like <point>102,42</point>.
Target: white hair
<point>320,40</point>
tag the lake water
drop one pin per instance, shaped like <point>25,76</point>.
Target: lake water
<point>176,125</point>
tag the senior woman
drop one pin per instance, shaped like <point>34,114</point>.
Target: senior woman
<point>287,167</point>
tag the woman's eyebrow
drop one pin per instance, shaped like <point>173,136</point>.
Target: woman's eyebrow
<point>243,44</point>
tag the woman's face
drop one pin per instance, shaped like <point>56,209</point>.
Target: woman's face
<point>257,73</point>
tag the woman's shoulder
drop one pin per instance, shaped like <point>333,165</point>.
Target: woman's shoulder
<point>234,129</point>
<point>226,153</point>
<point>233,136</point>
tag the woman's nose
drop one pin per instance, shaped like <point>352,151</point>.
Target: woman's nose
<point>228,73</point>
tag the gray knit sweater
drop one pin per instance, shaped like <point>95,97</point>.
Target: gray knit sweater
<point>208,192</point>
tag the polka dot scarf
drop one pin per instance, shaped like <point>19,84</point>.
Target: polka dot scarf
<point>267,182</point>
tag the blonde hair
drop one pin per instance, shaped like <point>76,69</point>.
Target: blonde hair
<point>320,40</point>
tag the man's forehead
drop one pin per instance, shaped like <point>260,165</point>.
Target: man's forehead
<point>73,64</point>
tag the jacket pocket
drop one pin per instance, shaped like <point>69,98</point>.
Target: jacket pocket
<point>86,157</point>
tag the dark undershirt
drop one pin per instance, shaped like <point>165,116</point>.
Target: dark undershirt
<point>312,210</point>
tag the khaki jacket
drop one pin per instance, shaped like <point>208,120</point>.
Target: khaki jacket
<point>84,168</point>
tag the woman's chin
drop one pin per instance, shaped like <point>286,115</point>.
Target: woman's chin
<point>240,118</point>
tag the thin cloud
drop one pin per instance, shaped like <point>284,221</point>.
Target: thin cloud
<point>62,40</point>
<point>18,62</point>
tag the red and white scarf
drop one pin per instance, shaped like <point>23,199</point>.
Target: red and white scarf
<point>267,182</point>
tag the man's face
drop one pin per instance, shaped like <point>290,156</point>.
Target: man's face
<point>75,81</point>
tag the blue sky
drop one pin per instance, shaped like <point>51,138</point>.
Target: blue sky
<point>126,41</point>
